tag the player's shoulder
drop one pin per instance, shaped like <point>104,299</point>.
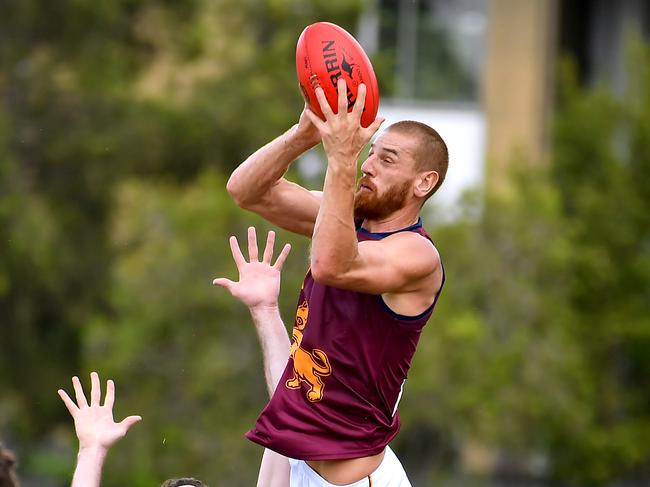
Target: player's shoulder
<point>413,246</point>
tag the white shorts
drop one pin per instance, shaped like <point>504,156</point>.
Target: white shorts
<point>389,473</point>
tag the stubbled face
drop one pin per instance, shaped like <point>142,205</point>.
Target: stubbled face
<point>387,177</point>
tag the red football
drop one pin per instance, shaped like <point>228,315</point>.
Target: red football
<point>325,53</point>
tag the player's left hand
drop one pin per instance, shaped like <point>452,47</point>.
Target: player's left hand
<point>343,136</point>
<point>93,422</point>
<point>259,281</point>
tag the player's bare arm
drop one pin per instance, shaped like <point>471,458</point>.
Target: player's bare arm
<point>408,285</point>
<point>404,268</point>
<point>258,288</point>
<point>258,184</point>
<point>405,262</point>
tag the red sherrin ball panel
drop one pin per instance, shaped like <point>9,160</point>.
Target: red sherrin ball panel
<point>326,52</point>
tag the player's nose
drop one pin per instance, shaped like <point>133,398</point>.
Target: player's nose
<point>367,168</point>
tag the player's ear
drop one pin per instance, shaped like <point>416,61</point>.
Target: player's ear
<point>425,182</point>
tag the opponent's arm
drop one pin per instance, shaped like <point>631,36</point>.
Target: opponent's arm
<point>275,470</point>
<point>258,288</point>
<point>337,258</point>
<point>95,428</point>
<point>258,184</point>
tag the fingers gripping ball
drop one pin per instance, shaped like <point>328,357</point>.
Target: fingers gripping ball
<point>325,53</point>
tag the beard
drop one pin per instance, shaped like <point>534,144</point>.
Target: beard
<point>369,205</point>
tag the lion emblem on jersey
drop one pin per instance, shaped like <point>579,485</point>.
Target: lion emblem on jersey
<point>308,366</point>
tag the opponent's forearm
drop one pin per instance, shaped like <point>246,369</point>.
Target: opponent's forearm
<point>334,243</point>
<point>90,462</point>
<point>275,470</point>
<point>260,171</point>
<point>274,342</point>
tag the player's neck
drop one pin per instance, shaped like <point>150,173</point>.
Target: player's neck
<point>391,223</point>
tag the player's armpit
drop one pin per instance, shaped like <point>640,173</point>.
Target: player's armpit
<point>289,206</point>
<point>401,263</point>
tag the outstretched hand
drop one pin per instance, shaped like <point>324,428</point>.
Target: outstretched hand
<point>259,281</point>
<point>343,136</point>
<point>94,422</point>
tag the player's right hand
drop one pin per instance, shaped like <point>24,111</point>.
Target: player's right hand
<point>259,281</point>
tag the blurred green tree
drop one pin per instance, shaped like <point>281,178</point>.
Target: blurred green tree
<point>93,94</point>
<point>183,352</point>
<point>119,123</point>
<point>539,352</point>
<point>602,168</point>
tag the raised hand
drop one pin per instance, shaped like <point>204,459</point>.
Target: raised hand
<point>94,422</point>
<point>343,136</point>
<point>259,281</point>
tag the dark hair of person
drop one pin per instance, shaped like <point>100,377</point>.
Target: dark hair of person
<point>183,481</point>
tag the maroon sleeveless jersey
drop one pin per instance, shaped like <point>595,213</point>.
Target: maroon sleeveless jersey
<point>350,355</point>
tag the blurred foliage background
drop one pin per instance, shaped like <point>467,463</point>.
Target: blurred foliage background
<point>120,122</point>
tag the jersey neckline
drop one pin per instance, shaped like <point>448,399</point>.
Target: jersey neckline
<point>415,226</point>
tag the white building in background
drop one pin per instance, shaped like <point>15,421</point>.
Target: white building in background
<point>437,51</point>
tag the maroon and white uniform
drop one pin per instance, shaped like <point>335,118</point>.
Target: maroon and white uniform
<point>350,355</point>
